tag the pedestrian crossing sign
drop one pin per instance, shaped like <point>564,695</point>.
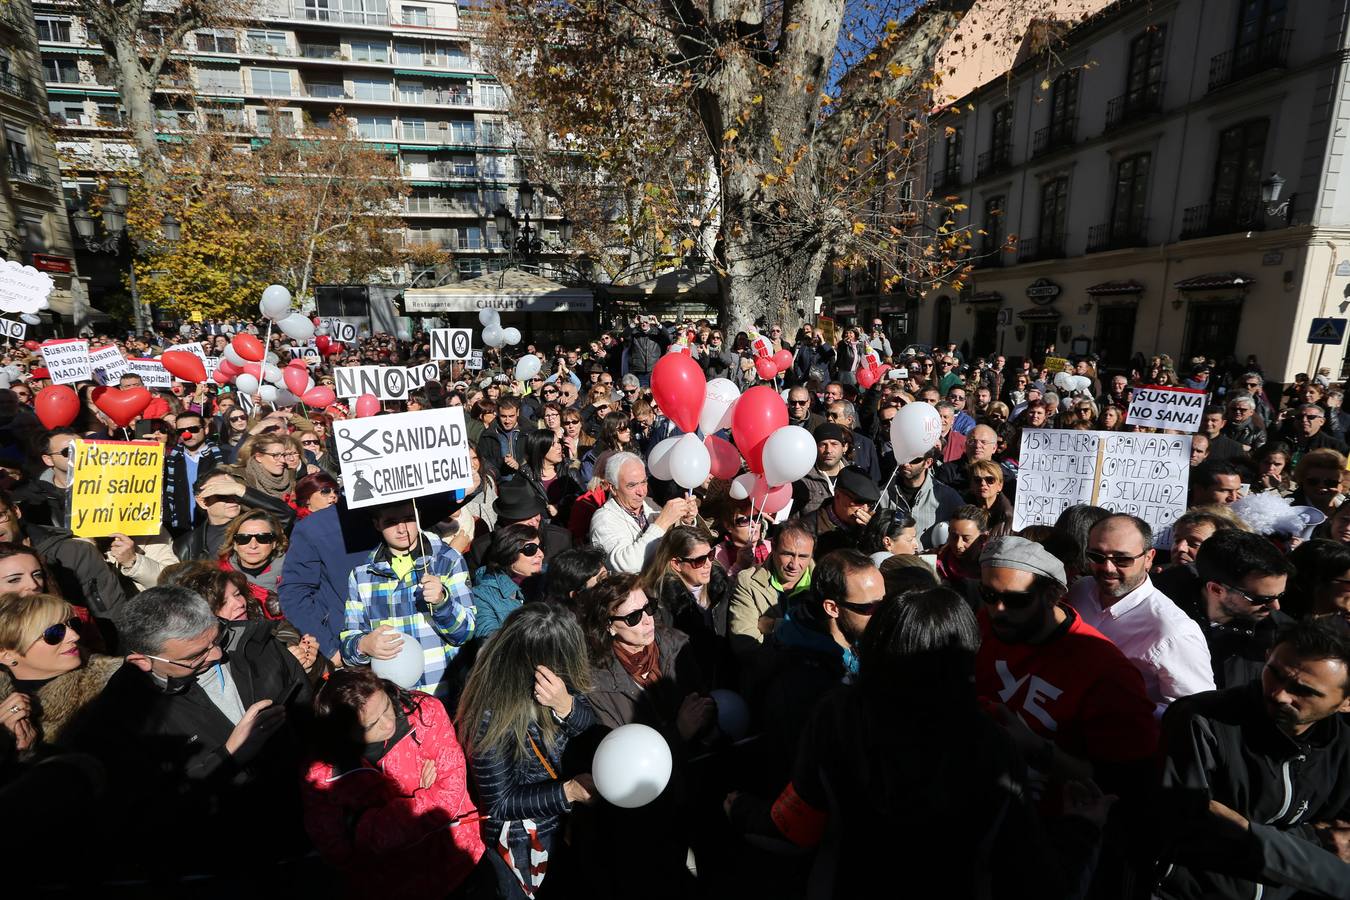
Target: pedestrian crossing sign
<point>1327,331</point>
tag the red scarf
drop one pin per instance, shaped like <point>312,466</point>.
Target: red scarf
<point>644,665</point>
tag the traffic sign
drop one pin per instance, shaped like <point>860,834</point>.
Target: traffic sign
<point>1327,331</point>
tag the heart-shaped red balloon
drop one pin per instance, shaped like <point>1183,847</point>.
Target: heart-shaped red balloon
<point>249,347</point>
<point>184,365</point>
<point>783,360</point>
<point>757,414</point>
<point>367,405</point>
<point>766,368</point>
<point>31,345</point>
<point>122,405</point>
<point>679,386</point>
<point>296,378</point>
<point>319,396</point>
<point>323,342</point>
<point>866,378</point>
<point>57,405</point>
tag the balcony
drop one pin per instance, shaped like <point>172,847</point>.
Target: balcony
<point>1106,237</point>
<point>1047,246</point>
<point>419,19</point>
<point>18,87</point>
<point>998,159</point>
<point>26,172</point>
<point>948,178</point>
<point>1227,216</point>
<point>1055,136</point>
<point>343,16</point>
<point>1134,106</point>
<point>320,51</point>
<point>1271,51</point>
<point>433,206</point>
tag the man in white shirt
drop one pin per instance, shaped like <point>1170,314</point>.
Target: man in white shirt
<point>629,524</point>
<point>1120,601</point>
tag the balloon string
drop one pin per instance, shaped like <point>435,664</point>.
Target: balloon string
<point>885,487</point>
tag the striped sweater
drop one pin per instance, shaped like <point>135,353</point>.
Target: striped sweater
<point>376,596</point>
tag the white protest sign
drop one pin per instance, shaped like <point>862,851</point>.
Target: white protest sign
<point>309,353</point>
<point>195,348</point>
<point>476,361</point>
<point>339,330</point>
<point>12,330</point>
<point>23,289</point>
<point>451,343</point>
<point>420,375</point>
<point>67,361</point>
<point>211,363</point>
<point>1145,475</point>
<point>111,363</point>
<point>403,456</point>
<point>1179,409</point>
<point>385,382</point>
<point>153,374</point>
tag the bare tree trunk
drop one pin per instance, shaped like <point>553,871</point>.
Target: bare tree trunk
<point>136,87</point>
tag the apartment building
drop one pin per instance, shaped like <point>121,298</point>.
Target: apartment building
<point>407,76</point>
<point>34,229</point>
<point>1173,183</point>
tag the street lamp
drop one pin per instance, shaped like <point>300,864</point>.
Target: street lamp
<point>115,228</point>
<point>17,242</point>
<point>1271,189</point>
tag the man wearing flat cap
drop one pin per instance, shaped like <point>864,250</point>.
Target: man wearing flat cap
<point>814,489</point>
<point>1072,702</point>
<point>519,504</point>
<point>840,523</point>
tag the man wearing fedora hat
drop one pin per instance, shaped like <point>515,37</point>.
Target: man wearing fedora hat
<point>519,504</point>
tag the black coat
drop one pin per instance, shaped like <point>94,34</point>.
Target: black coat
<point>79,569</point>
<point>707,628</point>
<point>554,539</point>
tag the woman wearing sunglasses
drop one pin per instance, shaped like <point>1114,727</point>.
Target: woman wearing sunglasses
<point>256,546</point>
<point>234,429</point>
<point>695,595</point>
<point>47,677</point>
<point>986,492</point>
<point>315,492</point>
<point>615,436</point>
<point>514,556</point>
<point>314,453</point>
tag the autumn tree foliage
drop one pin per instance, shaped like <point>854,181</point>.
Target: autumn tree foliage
<point>297,211</point>
<point>776,137</point>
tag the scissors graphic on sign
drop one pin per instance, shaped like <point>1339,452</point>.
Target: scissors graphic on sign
<point>349,453</point>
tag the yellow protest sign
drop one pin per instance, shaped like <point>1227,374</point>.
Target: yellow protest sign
<point>825,325</point>
<point>116,488</point>
<point>1057,364</point>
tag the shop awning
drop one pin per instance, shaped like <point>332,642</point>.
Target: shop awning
<point>1115,288</point>
<point>1215,280</point>
<point>62,305</point>
<point>511,291</point>
<point>672,284</point>
<point>985,297</point>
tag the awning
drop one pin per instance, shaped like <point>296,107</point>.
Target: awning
<point>419,73</point>
<point>1113,288</point>
<point>1041,314</point>
<point>1215,280</point>
<point>675,283</point>
<point>985,297</point>
<point>62,305</point>
<point>511,291</point>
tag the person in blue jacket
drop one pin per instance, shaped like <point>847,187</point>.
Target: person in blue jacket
<point>325,547</point>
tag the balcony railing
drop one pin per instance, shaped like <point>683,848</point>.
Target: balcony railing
<point>1135,105</point>
<point>1110,237</point>
<point>1055,136</point>
<point>999,159</point>
<point>438,206</point>
<point>349,17</point>
<point>28,173</point>
<point>1271,51</point>
<point>13,84</point>
<point>1225,216</point>
<point>1046,246</point>
<point>423,19</point>
<point>949,177</point>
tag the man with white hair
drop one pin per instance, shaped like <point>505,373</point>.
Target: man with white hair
<point>1243,426</point>
<point>629,524</point>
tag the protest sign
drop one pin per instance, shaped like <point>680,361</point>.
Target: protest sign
<point>420,375</point>
<point>13,331</point>
<point>67,360</point>
<point>116,488</point>
<point>309,353</point>
<point>403,456</point>
<point>1058,364</point>
<point>109,364</point>
<point>476,361</point>
<point>385,382</point>
<point>451,343</point>
<point>195,348</point>
<point>339,330</point>
<point>1179,409</point>
<point>211,363</point>
<point>152,372</point>
<point>1145,475</point>
<point>23,289</point>
<point>825,325</point>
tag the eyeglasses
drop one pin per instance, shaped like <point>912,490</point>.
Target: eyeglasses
<point>190,429</point>
<point>1253,599</point>
<point>1311,418</point>
<point>984,479</point>
<point>799,403</point>
<point>309,443</point>
<point>634,617</point>
<point>267,539</point>
<point>622,428</point>
<point>697,562</point>
<point>630,390</point>
<point>1119,560</point>
<point>238,419</point>
<point>53,635</point>
<point>741,521</point>
<point>220,640</point>
<point>327,491</point>
<point>530,549</point>
<point>862,609</point>
<point>276,454</point>
<point>1008,599</point>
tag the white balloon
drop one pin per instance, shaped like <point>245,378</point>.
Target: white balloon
<point>272,375</point>
<point>233,356</point>
<point>322,329</point>
<point>309,384</point>
<point>719,398</point>
<point>488,318</point>
<point>271,358</point>
<point>658,461</point>
<point>631,766</point>
<point>733,715</point>
<point>1062,380</point>
<point>527,367</point>
<point>915,430</point>
<point>404,670</point>
<point>4,381</point>
<point>742,486</point>
<point>492,335</point>
<point>14,373</point>
<point>267,393</point>
<point>690,462</point>
<point>789,453</point>
<point>246,383</point>
<point>511,336</point>
<point>296,327</point>
<point>938,536</point>
<point>275,302</point>
<point>1079,382</point>
<point>285,398</point>
<point>31,319</point>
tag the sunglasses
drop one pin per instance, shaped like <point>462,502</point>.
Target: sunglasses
<point>238,418</point>
<point>1254,599</point>
<point>53,635</point>
<point>189,429</point>
<point>1009,599</point>
<point>741,521</point>
<point>862,609</point>
<point>630,390</point>
<point>799,403</point>
<point>985,479</point>
<point>697,562</point>
<point>634,617</point>
<point>220,498</point>
<point>241,540</point>
<point>1119,560</point>
<point>310,443</point>
<point>530,549</point>
<point>328,492</point>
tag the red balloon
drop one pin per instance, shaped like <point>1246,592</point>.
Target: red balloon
<point>32,345</point>
<point>249,347</point>
<point>122,405</point>
<point>679,387</point>
<point>783,360</point>
<point>296,378</point>
<point>334,347</point>
<point>770,500</point>
<point>219,377</point>
<point>319,396</point>
<point>866,378</point>
<point>57,405</point>
<point>323,342</point>
<point>726,462</point>
<point>766,368</point>
<point>229,368</point>
<point>184,365</point>
<point>758,413</point>
<point>367,405</point>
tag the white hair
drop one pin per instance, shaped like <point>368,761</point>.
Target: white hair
<point>616,462</point>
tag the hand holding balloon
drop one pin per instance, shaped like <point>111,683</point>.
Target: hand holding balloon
<point>382,643</point>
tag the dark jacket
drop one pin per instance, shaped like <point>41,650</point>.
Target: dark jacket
<point>1222,447</point>
<point>645,348</point>
<point>554,539</point>
<point>619,700</point>
<point>178,496</point>
<point>79,569</point>
<point>325,547</point>
<point>1223,746</point>
<point>192,544</point>
<point>706,627</point>
<point>490,451</point>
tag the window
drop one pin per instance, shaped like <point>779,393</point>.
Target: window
<point>111,113</point>
<point>416,15</point>
<point>491,94</point>
<point>320,10</point>
<point>66,111</point>
<point>1236,199</point>
<point>462,132</point>
<point>60,71</point>
<point>422,201</point>
<point>271,82</point>
<point>471,238</point>
<point>415,165</point>
<point>366,88</point>
<point>226,119</point>
<point>365,12</point>
<point>271,42</point>
<point>464,167</point>
<point>1130,206</point>
<point>217,42</point>
<point>1054,213</point>
<point>219,80</point>
<point>414,129</point>
<point>408,54</point>
<point>375,127</point>
<point>469,268</point>
<point>328,89</point>
<point>410,92</point>
<point>492,134</point>
<point>370,51</point>
<point>1259,21</point>
<point>1143,80</point>
<point>1000,142</point>
<point>993,238</point>
<point>54,29</point>
<point>16,148</point>
<point>1064,105</point>
<point>281,121</point>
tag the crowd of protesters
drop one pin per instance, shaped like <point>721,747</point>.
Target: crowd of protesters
<point>886,671</point>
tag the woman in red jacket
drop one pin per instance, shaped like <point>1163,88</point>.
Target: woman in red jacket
<point>386,793</point>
